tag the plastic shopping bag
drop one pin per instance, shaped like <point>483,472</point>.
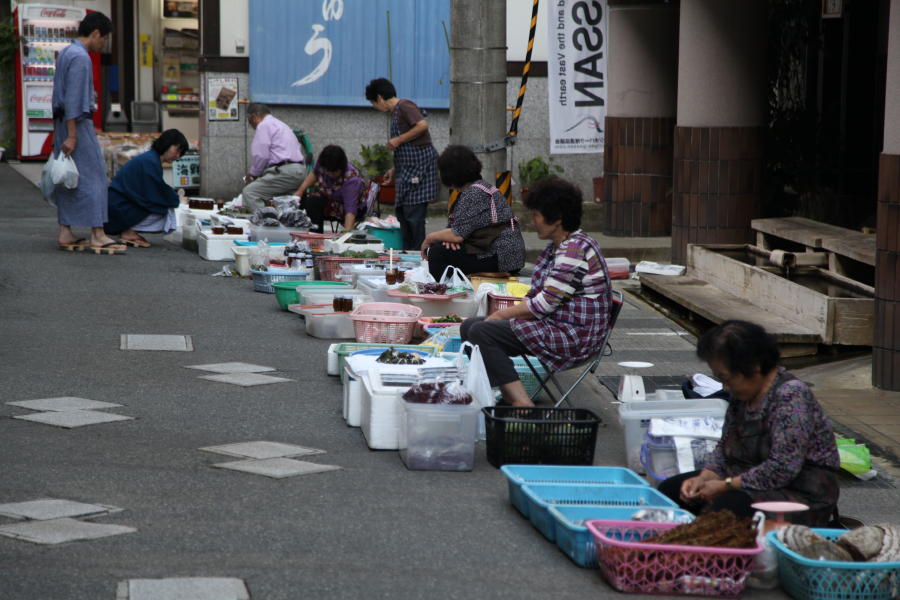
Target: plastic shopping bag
<point>477,383</point>
<point>854,457</point>
<point>420,274</point>
<point>47,186</point>
<point>64,172</point>
<point>455,279</point>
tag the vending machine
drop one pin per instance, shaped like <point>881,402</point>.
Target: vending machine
<point>44,30</point>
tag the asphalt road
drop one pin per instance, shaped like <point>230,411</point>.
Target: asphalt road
<point>371,530</point>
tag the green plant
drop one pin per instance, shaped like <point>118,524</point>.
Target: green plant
<point>9,43</point>
<point>375,161</point>
<point>536,169</point>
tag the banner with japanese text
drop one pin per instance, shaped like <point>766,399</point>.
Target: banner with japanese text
<point>577,45</point>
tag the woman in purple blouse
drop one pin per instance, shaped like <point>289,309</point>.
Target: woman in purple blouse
<point>565,315</point>
<point>777,442</point>
<point>340,187</point>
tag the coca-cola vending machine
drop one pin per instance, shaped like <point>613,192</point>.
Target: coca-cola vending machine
<point>44,30</point>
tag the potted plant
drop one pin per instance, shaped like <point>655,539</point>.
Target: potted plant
<point>375,161</point>
<point>534,170</point>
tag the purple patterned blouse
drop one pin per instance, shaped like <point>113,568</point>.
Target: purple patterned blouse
<point>570,297</point>
<point>783,450</point>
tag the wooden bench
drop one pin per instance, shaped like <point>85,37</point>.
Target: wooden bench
<point>841,243</point>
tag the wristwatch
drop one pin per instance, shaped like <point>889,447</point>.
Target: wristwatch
<point>729,484</point>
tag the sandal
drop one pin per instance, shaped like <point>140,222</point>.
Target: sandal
<point>138,243</point>
<point>76,246</point>
<point>108,248</point>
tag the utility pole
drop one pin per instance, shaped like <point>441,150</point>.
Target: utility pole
<point>478,79</point>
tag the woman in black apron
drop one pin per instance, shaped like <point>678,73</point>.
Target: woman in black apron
<point>777,443</point>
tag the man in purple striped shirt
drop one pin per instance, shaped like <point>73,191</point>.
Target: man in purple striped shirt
<point>276,164</point>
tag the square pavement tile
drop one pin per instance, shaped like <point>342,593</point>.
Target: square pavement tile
<point>72,418</point>
<point>277,468</point>
<point>57,531</point>
<point>172,343</point>
<point>262,449</point>
<point>183,588</point>
<point>53,508</point>
<point>63,403</point>
<point>232,367</point>
<point>245,379</point>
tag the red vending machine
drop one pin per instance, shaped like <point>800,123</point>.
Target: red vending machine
<point>44,30</point>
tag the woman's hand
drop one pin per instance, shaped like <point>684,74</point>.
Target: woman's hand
<point>387,177</point>
<point>690,488</point>
<point>68,146</point>
<point>426,244</point>
<point>452,246</point>
<point>393,143</point>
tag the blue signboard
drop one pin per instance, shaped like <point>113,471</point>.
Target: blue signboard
<point>326,51</point>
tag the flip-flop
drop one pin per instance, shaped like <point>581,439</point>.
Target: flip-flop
<point>135,243</point>
<point>107,248</point>
<point>76,246</point>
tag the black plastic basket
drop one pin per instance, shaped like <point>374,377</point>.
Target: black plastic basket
<point>540,436</point>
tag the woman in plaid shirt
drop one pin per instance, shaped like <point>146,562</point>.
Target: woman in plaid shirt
<point>566,313</point>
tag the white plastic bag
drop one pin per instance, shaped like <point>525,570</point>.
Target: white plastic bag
<point>455,278</point>
<point>64,172</point>
<point>420,274</point>
<point>47,186</point>
<point>477,383</point>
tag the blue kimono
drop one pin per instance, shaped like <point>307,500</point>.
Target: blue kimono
<point>137,191</point>
<point>74,98</point>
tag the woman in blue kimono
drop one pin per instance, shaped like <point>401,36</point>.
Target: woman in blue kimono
<point>74,101</point>
<point>139,199</point>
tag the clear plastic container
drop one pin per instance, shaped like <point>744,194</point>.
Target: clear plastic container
<point>326,295</point>
<point>635,418</point>
<point>438,437</point>
<point>273,234</point>
<point>619,268</point>
<point>376,288</point>
<point>330,326</point>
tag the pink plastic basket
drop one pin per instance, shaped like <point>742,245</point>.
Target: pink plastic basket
<point>316,241</point>
<point>632,566</point>
<point>497,302</point>
<point>329,267</point>
<point>385,322</point>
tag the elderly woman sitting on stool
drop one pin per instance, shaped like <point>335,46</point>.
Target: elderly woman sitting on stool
<point>564,317</point>
<point>777,442</point>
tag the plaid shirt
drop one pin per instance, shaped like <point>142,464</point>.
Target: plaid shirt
<point>570,297</point>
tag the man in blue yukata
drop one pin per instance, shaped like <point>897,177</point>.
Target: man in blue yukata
<point>74,101</point>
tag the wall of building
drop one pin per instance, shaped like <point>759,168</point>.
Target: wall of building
<point>226,155</point>
<point>641,85</point>
<point>721,75</point>
<point>892,86</point>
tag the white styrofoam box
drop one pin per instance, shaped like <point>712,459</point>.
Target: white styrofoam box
<point>302,291</point>
<point>437,437</point>
<point>669,395</point>
<point>217,247</point>
<point>351,272</point>
<point>338,247</point>
<point>274,234</point>
<point>354,393</point>
<point>330,326</point>
<point>635,418</point>
<point>332,362</point>
<point>218,219</point>
<point>381,412</point>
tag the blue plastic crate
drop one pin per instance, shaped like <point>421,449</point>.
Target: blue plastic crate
<point>541,496</point>
<point>526,375</point>
<point>807,579</point>
<point>453,343</point>
<point>574,539</point>
<point>519,475</point>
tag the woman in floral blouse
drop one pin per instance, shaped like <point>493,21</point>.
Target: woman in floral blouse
<point>482,235</point>
<point>341,190</point>
<point>777,442</point>
<point>565,315</point>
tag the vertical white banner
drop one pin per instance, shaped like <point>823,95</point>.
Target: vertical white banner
<point>576,74</point>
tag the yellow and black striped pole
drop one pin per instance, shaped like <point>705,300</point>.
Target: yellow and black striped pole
<point>514,127</point>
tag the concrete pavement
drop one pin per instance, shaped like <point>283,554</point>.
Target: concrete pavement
<point>371,529</point>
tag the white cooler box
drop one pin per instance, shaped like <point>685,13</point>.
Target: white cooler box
<point>380,413</point>
<point>217,247</point>
<point>635,418</point>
